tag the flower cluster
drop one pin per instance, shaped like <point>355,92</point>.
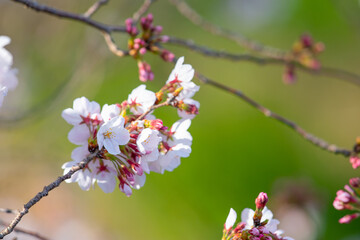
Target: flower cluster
<point>8,80</point>
<point>254,225</point>
<point>132,141</point>
<point>147,41</point>
<point>349,199</point>
<point>304,51</point>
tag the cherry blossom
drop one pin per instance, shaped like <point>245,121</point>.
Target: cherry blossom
<point>129,143</point>
<point>82,112</point>
<point>112,134</point>
<point>141,99</point>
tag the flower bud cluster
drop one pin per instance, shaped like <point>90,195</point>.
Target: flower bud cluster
<point>8,80</point>
<point>147,41</point>
<point>254,225</point>
<point>130,140</point>
<point>349,199</point>
<point>304,51</point>
<point>354,158</point>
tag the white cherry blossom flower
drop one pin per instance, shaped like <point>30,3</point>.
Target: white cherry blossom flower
<point>179,146</point>
<point>102,172</point>
<point>181,72</point>
<point>112,134</point>
<point>184,73</point>
<point>8,79</point>
<point>82,108</point>
<point>247,217</point>
<point>141,100</point>
<point>109,111</point>
<point>148,140</point>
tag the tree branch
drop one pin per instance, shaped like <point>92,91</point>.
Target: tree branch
<point>142,10</point>
<point>24,231</point>
<point>79,18</point>
<point>323,71</point>
<point>268,113</point>
<point>93,9</point>
<point>113,47</point>
<point>44,193</point>
<point>196,19</point>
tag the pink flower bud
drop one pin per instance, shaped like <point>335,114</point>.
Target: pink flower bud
<point>142,51</point>
<point>156,124</point>
<point>289,76</point>
<point>339,205</point>
<point>355,161</point>
<point>306,40</point>
<point>145,73</point>
<point>344,197</point>
<point>355,182</point>
<point>349,218</point>
<point>261,200</point>
<point>157,29</point>
<point>167,56</point>
<point>254,232</point>
<point>239,227</point>
<point>164,39</point>
<point>132,30</point>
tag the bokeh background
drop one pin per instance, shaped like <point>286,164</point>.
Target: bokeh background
<point>237,152</point>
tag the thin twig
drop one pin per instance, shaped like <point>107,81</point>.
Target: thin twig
<point>323,71</point>
<point>221,54</point>
<point>142,10</point>
<point>152,108</point>
<point>93,9</point>
<point>10,211</point>
<point>196,19</point>
<point>25,231</point>
<point>44,193</point>
<point>72,16</point>
<point>268,113</point>
<point>113,47</point>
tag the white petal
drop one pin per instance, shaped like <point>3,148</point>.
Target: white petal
<point>247,217</point>
<point>266,214</point>
<point>272,225</point>
<point>139,181</point>
<point>79,134</point>
<point>230,220</point>
<point>111,146</point>
<point>71,116</point>
<point>107,185</point>
<point>4,40</point>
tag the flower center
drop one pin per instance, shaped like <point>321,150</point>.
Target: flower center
<point>109,134</point>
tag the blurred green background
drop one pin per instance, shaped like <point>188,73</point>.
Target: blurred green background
<point>237,152</point>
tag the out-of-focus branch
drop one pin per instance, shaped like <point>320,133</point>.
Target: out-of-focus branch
<point>93,9</point>
<point>268,113</point>
<point>44,193</point>
<point>72,16</point>
<point>142,10</point>
<point>323,71</point>
<point>25,231</point>
<point>221,54</point>
<point>113,47</point>
<point>195,18</point>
